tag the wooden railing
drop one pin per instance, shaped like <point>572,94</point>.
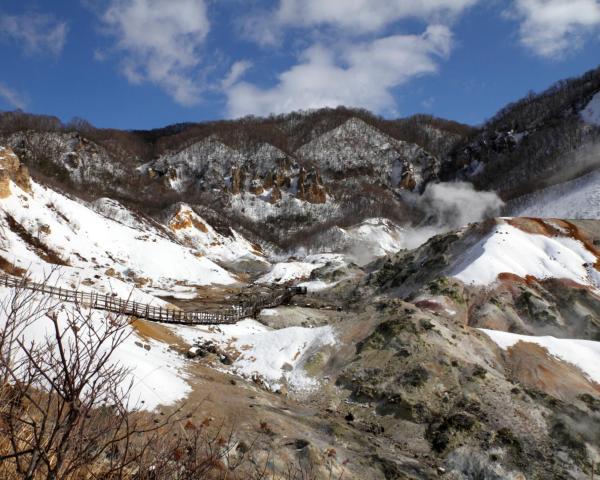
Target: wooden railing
<point>112,303</point>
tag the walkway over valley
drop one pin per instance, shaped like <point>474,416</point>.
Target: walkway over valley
<point>114,304</point>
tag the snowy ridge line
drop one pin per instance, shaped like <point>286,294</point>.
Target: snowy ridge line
<point>114,304</point>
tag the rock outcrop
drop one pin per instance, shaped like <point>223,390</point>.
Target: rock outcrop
<point>11,169</point>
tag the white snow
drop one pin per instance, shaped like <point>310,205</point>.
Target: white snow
<point>317,285</point>
<point>86,239</point>
<point>510,250</point>
<point>274,356</point>
<point>86,280</point>
<point>156,375</point>
<point>285,272</point>
<point>288,271</point>
<point>195,232</point>
<point>575,199</point>
<point>373,238</point>
<point>584,354</point>
<point>259,208</point>
<point>591,113</point>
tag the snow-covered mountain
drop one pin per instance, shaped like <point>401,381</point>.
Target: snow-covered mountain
<point>270,176</point>
<point>355,148</point>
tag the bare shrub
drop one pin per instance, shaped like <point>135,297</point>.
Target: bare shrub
<point>63,403</point>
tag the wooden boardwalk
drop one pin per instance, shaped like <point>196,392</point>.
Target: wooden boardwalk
<point>112,303</point>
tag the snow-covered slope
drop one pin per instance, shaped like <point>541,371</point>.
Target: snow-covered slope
<point>46,227</point>
<point>584,354</point>
<point>575,199</point>
<point>509,249</point>
<point>373,238</point>
<point>196,233</point>
<point>155,373</point>
<point>275,357</point>
<point>591,113</point>
<point>285,272</point>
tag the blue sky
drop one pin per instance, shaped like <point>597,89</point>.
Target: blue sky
<point>149,63</point>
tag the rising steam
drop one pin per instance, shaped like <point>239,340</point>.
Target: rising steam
<point>448,206</point>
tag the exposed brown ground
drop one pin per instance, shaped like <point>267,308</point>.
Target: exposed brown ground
<point>245,406</point>
<point>533,366</point>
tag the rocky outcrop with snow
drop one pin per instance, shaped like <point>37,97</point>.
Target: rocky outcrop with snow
<point>72,158</point>
<point>356,148</point>
<point>203,165</point>
<point>11,170</point>
<point>194,232</point>
<point>46,227</point>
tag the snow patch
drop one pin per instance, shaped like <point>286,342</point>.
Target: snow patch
<point>510,250</point>
<point>584,354</point>
<point>575,199</point>
<point>591,113</point>
<point>285,272</point>
<point>274,356</point>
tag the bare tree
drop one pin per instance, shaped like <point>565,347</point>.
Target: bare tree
<point>64,402</point>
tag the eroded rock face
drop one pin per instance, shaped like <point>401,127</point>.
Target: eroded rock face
<point>310,188</point>
<point>238,177</point>
<point>275,194</point>
<point>12,169</point>
<point>4,184</point>
<point>71,158</point>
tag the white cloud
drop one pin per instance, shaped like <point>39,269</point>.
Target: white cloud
<point>36,33</point>
<point>160,41</point>
<point>351,17</point>
<point>354,74</point>
<point>552,28</point>
<point>365,15</point>
<point>12,97</point>
<point>236,72</point>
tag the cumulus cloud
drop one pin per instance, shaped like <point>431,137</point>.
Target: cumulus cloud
<point>352,17</point>
<point>552,28</point>
<point>160,41</point>
<point>36,33</point>
<point>353,74</point>
<point>13,98</point>
<point>365,15</point>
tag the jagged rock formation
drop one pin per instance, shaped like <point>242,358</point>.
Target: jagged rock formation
<point>71,160</point>
<point>11,169</point>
